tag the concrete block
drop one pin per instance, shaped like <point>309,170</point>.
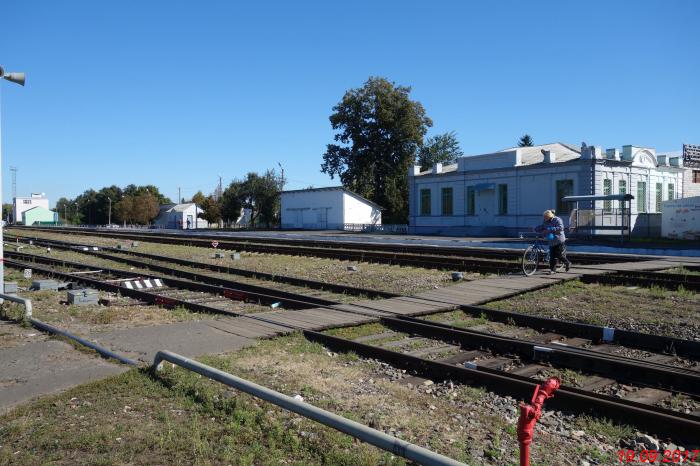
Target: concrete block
<point>122,246</point>
<point>83,297</point>
<point>45,285</point>
<point>352,268</point>
<point>134,244</point>
<point>236,256</point>
<point>457,276</point>
<point>217,255</point>
<point>10,287</point>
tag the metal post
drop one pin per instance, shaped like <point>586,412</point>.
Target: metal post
<point>109,216</point>
<point>374,437</point>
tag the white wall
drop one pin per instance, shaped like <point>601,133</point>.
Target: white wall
<point>312,209</point>
<point>359,212</point>
<point>22,204</point>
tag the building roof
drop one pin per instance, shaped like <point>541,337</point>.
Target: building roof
<point>176,207</point>
<point>532,155</point>
<point>529,156</point>
<point>335,188</point>
<point>37,207</point>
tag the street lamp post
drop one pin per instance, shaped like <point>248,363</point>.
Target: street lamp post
<point>17,78</point>
<point>109,216</point>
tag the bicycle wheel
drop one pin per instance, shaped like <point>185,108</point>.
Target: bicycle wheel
<point>531,259</point>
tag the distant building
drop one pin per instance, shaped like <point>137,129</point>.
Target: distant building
<point>326,209</point>
<point>503,193</point>
<point>681,218</point>
<point>21,204</point>
<point>39,215</point>
<point>180,216</point>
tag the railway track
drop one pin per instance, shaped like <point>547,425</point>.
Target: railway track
<point>165,264</point>
<point>670,281</point>
<point>224,290</point>
<point>486,260</point>
<point>513,366</point>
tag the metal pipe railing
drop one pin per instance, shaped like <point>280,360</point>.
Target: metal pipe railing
<point>27,303</point>
<point>36,323</point>
<point>372,436</point>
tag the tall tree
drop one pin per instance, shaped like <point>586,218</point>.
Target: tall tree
<point>259,193</point>
<point>7,212</point>
<point>439,149</point>
<point>199,198</point>
<point>525,141</point>
<point>67,211</point>
<point>138,209</point>
<point>211,210</point>
<point>379,131</point>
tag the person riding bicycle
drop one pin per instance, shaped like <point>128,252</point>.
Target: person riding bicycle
<point>554,229</point>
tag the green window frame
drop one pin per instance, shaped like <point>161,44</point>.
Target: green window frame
<point>659,196</point>
<point>607,191</point>
<point>641,196</point>
<point>622,189</point>
<point>425,201</point>
<point>671,192</point>
<point>447,195</point>
<point>502,199</point>
<point>471,200</point>
<point>564,188</point>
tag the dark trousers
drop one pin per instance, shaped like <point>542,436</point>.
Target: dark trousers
<point>557,252</point>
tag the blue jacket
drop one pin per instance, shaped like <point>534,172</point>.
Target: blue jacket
<point>554,226</point>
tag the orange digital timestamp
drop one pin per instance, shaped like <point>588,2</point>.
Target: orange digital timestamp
<point>660,456</point>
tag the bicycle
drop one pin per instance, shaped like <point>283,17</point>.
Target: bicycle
<point>535,253</point>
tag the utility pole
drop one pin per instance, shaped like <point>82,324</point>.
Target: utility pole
<point>17,78</point>
<point>218,195</point>
<point>109,216</point>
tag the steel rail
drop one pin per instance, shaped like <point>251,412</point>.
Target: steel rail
<point>618,367</point>
<point>226,288</point>
<point>650,418</point>
<point>374,437</point>
<point>595,333</point>
<point>469,251</point>
<point>344,289</point>
<point>628,279</point>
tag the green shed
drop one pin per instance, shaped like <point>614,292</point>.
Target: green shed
<point>39,214</point>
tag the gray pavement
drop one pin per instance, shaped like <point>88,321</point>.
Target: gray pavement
<point>190,339</point>
<point>32,365</point>
<point>45,367</point>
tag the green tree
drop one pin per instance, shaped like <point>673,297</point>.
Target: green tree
<point>138,209</point>
<point>379,131</point>
<point>211,210</point>
<point>7,212</point>
<point>198,198</point>
<point>259,193</point>
<point>67,211</point>
<point>133,190</point>
<point>439,149</point>
<point>525,141</point>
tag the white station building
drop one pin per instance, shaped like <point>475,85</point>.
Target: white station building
<point>180,216</point>
<point>505,192</point>
<point>327,209</point>
<point>22,204</point>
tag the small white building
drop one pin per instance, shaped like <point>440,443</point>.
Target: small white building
<point>327,209</point>
<point>180,216</point>
<point>22,204</point>
<point>505,192</point>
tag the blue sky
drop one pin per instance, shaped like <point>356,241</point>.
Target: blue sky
<point>176,93</point>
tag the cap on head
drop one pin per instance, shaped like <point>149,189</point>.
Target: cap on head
<point>548,214</point>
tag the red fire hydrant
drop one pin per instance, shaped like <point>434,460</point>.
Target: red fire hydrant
<point>530,413</point>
